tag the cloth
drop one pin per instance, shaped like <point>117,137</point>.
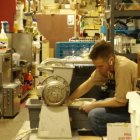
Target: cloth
<point>98,119</point>
<point>125,76</point>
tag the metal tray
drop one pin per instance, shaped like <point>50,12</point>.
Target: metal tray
<point>78,102</point>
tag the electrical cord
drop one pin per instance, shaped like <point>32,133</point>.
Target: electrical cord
<point>23,134</point>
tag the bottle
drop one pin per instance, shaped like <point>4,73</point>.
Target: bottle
<point>30,80</point>
<point>15,26</point>
<point>3,36</point>
<point>19,16</point>
<point>6,27</point>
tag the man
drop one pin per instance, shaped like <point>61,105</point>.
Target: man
<point>109,67</point>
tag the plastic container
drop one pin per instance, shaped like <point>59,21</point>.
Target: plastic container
<point>79,117</point>
<point>3,37</point>
<point>34,107</point>
<point>134,103</point>
<point>16,59</point>
<point>63,49</point>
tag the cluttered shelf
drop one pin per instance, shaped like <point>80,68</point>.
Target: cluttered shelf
<point>121,18</point>
<point>22,75</point>
<point>134,14</point>
<point>125,14</point>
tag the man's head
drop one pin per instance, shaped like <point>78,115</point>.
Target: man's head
<point>102,55</point>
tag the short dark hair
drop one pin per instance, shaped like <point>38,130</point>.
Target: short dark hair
<point>101,49</point>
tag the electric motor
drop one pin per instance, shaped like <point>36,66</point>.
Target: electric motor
<point>56,90</point>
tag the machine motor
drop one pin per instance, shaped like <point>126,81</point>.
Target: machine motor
<point>56,90</point>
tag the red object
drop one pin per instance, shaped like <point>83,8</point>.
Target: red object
<point>30,77</point>
<point>24,88</point>
<point>7,12</point>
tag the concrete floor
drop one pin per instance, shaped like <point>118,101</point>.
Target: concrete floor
<point>9,128</point>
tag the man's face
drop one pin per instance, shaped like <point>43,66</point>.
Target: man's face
<point>102,65</point>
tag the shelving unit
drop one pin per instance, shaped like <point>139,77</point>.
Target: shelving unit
<point>113,14</point>
<point>89,25</point>
<point>18,73</point>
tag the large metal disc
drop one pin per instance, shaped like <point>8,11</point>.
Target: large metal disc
<point>55,91</point>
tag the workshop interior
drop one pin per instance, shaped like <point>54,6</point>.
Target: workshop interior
<point>44,57</point>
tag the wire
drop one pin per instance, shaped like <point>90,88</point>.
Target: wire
<point>25,133</point>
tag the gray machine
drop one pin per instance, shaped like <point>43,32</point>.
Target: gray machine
<point>5,68</point>
<point>54,123</point>
<point>11,100</point>
<point>9,92</point>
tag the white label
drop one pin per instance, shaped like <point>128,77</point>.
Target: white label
<point>70,19</point>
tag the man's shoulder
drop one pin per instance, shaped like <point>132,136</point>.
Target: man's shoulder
<point>123,59</point>
<point>124,64</point>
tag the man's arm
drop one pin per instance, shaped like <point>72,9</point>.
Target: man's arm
<point>95,79</point>
<point>81,90</point>
<point>109,102</point>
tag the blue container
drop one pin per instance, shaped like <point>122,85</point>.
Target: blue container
<point>63,49</point>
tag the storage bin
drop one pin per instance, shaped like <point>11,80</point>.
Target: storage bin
<point>34,108</point>
<point>134,103</point>
<point>63,49</point>
<point>79,118</point>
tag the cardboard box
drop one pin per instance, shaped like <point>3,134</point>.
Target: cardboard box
<point>118,131</point>
<point>134,103</point>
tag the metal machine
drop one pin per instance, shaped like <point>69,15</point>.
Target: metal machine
<point>11,100</point>
<point>5,74</point>
<point>5,68</point>
<point>55,121</point>
<point>9,92</point>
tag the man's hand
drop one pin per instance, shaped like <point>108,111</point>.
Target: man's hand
<point>68,102</point>
<point>87,106</point>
